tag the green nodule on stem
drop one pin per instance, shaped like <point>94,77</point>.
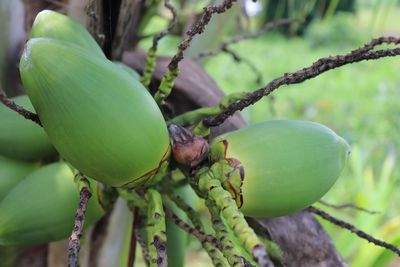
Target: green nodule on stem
<point>165,88</point>
<point>229,250</point>
<point>213,252</point>
<point>156,229</point>
<point>195,117</point>
<point>149,67</point>
<point>212,189</point>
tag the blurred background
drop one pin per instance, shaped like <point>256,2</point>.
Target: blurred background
<point>359,101</point>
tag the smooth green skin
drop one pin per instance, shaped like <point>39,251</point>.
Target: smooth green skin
<point>99,118</point>
<point>41,208</point>
<point>11,172</point>
<point>51,24</point>
<point>288,165</point>
<point>22,139</point>
<point>128,69</point>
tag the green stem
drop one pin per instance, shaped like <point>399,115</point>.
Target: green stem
<point>194,116</point>
<point>155,229</point>
<point>150,66</point>
<point>165,88</point>
<point>212,189</point>
<point>81,181</point>
<point>213,252</point>
<point>132,197</point>
<point>227,247</point>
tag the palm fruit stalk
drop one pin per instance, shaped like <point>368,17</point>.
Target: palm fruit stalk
<point>11,172</point>
<point>279,167</point>
<point>99,117</point>
<point>212,250</point>
<point>180,200</point>
<point>155,229</point>
<point>41,208</point>
<point>22,139</point>
<point>51,24</point>
<point>210,188</point>
<point>229,250</point>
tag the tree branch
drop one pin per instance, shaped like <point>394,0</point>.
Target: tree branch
<point>74,240</point>
<point>320,66</point>
<point>151,54</point>
<point>353,229</point>
<point>238,58</point>
<point>172,24</point>
<point>198,28</point>
<point>236,39</point>
<point>348,205</point>
<point>200,235</point>
<point>19,109</point>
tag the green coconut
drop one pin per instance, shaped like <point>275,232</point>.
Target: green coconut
<point>279,167</point>
<point>98,116</point>
<point>22,139</point>
<point>41,207</point>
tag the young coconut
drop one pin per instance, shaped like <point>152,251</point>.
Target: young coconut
<point>41,208</point>
<point>98,116</point>
<point>51,24</point>
<point>11,172</point>
<point>22,139</point>
<point>279,167</point>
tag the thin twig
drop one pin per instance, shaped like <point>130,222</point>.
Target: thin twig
<point>161,247</point>
<point>200,235</point>
<point>143,246</point>
<point>171,25</point>
<point>198,28</point>
<point>152,52</point>
<point>353,229</point>
<point>317,68</point>
<point>74,240</point>
<point>19,109</point>
<point>236,39</point>
<point>347,205</point>
<point>213,252</point>
<point>238,58</point>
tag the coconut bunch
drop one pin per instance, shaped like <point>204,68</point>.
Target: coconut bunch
<point>101,123</point>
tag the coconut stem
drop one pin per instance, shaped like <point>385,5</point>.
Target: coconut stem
<point>229,249</point>
<point>149,67</point>
<point>212,189</point>
<point>19,109</point>
<point>155,228</point>
<point>132,197</point>
<point>74,240</point>
<point>165,88</point>
<point>211,248</point>
<point>151,54</point>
